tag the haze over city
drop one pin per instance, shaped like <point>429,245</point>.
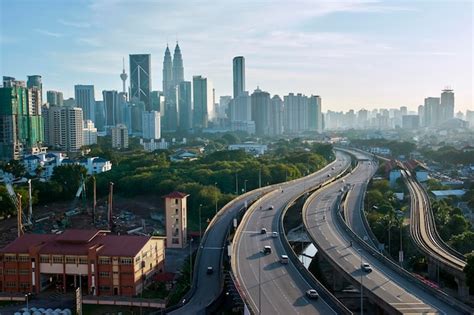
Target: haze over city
<point>356,54</point>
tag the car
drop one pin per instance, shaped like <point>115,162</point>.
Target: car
<point>263,231</point>
<point>274,234</point>
<point>271,208</point>
<point>210,270</point>
<point>329,175</point>
<point>312,294</point>
<point>333,168</point>
<point>366,267</point>
<point>267,250</point>
<point>284,259</point>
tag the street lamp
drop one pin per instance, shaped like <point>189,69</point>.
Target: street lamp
<point>27,306</point>
<point>200,229</point>
<point>217,197</point>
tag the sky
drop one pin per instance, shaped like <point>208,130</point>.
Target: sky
<point>354,54</point>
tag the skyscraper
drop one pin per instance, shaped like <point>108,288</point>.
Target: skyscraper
<point>203,102</point>
<point>239,75</point>
<point>167,72</point>
<point>296,113</point>
<point>64,128</point>
<point>85,99</point>
<point>447,104</point>
<point>35,83</point>
<point>315,118</point>
<point>432,111</point>
<point>261,112</point>
<point>178,68</point>
<point>185,109</point>
<point>151,125</point>
<point>240,108</point>
<point>276,116</point>
<point>140,78</point>
<point>54,98</point>
<point>111,105</point>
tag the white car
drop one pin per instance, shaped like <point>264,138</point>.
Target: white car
<point>366,267</point>
<point>274,234</point>
<point>312,294</point>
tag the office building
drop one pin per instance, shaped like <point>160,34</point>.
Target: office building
<point>447,104</point>
<point>158,102</point>
<point>315,117</point>
<point>238,75</point>
<point>111,101</point>
<point>240,108</point>
<point>54,98</point>
<point>151,125</point>
<point>119,137</point>
<point>104,264</point>
<point>185,108</point>
<point>203,102</point>
<point>167,73</point>
<point>260,102</point>
<point>99,116</point>
<point>276,116</point>
<point>85,99</point>
<point>89,133</point>
<point>140,79</point>
<point>432,111</point>
<point>176,219</point>
<point>178,67</point>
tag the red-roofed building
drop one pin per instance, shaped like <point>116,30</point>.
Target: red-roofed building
<point>102,263</point>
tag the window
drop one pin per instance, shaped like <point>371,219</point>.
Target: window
<point>104,274</point>
<point>127,273</point>
<point>44,259</point>
<point>10,271</point>
<point>175,240</point>
<point>176,201</point>
<point>126,261</point>
<point>24,272</point>
<point>10,284</point>
<point>104,261</point>
<point>9,258</point>
<point>57,259</point>
<point>177,221</point>
<point>104,288</point>
<point>176,211</point>
<point>24,285</point>
<point>70,259</point>
<point>83,260</point>
<point>23,258</point>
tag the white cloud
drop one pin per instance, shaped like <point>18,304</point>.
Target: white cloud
<point>48,33</point>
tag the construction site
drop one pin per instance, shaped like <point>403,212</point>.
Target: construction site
<point>140,216</point>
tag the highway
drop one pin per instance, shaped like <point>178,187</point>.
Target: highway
<point>268,286</point>
<point>423,229</point>
<point>388,288</point>
<point>208,287</point>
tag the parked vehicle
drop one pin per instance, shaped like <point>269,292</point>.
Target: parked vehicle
<point>267,250</point>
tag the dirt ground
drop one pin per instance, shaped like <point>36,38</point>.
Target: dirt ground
<point>127,214</point>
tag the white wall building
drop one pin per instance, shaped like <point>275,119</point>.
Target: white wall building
<point>119,136</point>
<point>89,133</point>
<point>151,121</point>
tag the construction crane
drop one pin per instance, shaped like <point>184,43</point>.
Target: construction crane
<point>15,198</point>
<point>81,191</point>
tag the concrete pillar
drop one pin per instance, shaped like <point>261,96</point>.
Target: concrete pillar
<point>432,270</point>
<point>338,281</point>
<point>463,289</point>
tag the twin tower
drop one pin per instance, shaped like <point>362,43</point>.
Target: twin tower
<point>173,70</point>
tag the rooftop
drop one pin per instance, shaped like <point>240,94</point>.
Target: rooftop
<point>446,193</point>
<point>176,194</point>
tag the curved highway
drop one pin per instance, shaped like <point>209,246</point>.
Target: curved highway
<point>268,286</point>
<point>387,288</point>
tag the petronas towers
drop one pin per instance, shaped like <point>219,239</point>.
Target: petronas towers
<point>173,76</point>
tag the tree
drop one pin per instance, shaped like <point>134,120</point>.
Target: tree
<point>463,243</point>
<point>16,168</point>
<point>69,177</point>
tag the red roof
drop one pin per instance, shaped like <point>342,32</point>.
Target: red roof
<point>176,194</point>
<point>67,244</point>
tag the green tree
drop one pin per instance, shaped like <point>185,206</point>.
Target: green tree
<point>469,271</point>
<point>69,177</point>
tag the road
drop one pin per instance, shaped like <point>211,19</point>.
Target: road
<point>390,289</point>
<point>269,286</point>
<point>209,286</point>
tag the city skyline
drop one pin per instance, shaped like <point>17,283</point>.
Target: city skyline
<point>357,54</point>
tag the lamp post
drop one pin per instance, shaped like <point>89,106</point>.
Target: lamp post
<point>217,197</point>
<point>200,229</point>
<point>27,306</point>
<point>361,285</point>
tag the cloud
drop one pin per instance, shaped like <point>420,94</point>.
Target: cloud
<point>48,33</point>
<point>74,23</point>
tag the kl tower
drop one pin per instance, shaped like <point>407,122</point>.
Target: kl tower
<point>123,77</point>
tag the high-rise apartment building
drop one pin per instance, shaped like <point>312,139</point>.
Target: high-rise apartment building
<point>410,122</point>
<point>432,111</point>
<point>71,129</point>
<point>240,108</point>
<point>151,125</point>
<point>140,78</point>
<point>176,219</point>
<point>119,137</point>
<point>315,117</point>
<point>85,99</point>
<point>276,116</point>
<point>203,102</point>
<point>296,113</point>
<point>185,108</point>
<point>470,118</point>
<point>239,75</point>
<point>261,112</point>
<point>54,98</point>
<point>111,101</point>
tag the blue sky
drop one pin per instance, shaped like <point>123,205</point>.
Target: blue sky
<point>355,54</point>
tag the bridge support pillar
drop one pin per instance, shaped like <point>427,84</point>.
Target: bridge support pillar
<point>337,281</point>
<point>433,271</point>
<point>463,289</point>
